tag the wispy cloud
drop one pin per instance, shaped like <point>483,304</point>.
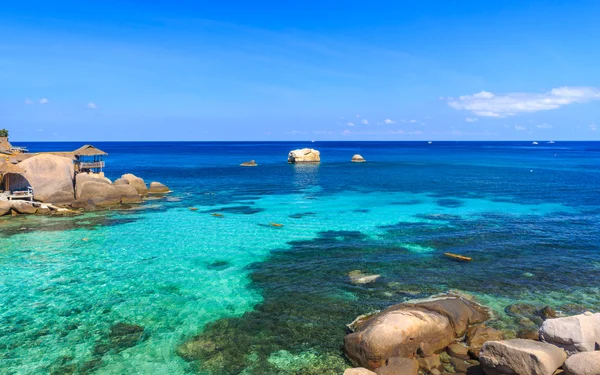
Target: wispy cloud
<point>544,126</point>
<point>471,119</point>
<point>91,105</point>
<point>593,127</point>
<point>350,124</point>
<point>357,115</point>
<point>365,121</point>
<point>413,121</point>
<point>389,122</point>
<point>520,128</point>
<point>28,101</point>
<point>488,104</point>
<point>43,101</point>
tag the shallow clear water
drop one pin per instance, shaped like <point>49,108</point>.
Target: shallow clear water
<point>264,299</point>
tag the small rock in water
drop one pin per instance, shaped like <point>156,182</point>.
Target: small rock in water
<point>528,274</point>
<point>358,159</point>
<point>250,163</point>
<point>359,278</point>
<point>85,239</point>
<point>193,209</point>
<point>217,215</point>
<point>125,335</point>
<point>275,225</point>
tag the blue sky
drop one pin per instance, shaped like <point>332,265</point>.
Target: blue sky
<point>237,70</point>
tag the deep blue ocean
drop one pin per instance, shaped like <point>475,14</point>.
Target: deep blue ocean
<point>122,292</point>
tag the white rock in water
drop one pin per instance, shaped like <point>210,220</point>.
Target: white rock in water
<point>577,333</point>
<point>305,155</point>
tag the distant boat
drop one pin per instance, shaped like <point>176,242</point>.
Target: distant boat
<point>430,142</point>
<point>534,143</point>
<point>313,141</point>
<point>551,142</point>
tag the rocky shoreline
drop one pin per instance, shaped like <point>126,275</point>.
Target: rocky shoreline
<point>58,190</point>
<point>447,334</point>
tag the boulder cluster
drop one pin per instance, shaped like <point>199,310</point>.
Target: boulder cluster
<point>448,335</point>
<point>305,155</point>
<point>56,187</point>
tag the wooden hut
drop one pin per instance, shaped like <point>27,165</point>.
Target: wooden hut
<point>13,175</point>
<point>89,159</point>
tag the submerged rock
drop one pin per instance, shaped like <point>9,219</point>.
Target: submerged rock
<point>578,333</point>
<point>158,188</point>
<point>587,363</point>
<point>51,178</point>
<point>520,356</point>
<point>125,335</point>
<point>250,163</point>
<point>305,155</point>
<point>136,182</point>
<point>358,277</point>
<point>358,159</point>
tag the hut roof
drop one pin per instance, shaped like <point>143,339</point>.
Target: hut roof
<point>88,150</point>
<point>6,167</point>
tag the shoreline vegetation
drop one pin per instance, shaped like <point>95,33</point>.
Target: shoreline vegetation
<point>450,333</point>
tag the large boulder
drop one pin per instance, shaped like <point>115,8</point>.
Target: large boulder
<point>4,207</point>
<point>99,194</point>
<point>587,363</point>
<point>358,371</point>
<point>409,328</point>
<point>23,207</point>
<point>519,357</point>
<point>399,366</point>
<point>82,178</point>
<point>305,155</point>
<point>128,194</point>
<point>51,178</point>
<point>577,333</point>
<point>136,182</point>
<point>479,335</point>
<point>158,188</point>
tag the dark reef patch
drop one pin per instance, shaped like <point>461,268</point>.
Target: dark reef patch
<point>450,203</point>
<point>409,202</point>
<point>218,265</point>
<point>301,215</point>
<point>238,210</point>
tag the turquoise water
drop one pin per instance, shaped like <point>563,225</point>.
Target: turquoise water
<point>260,299</point>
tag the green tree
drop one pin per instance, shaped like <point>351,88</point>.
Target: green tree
<point>3,133</point>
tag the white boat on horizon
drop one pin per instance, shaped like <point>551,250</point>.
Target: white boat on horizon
<point>551,142</point>
<point>534,143</point>
<point>430,142</point>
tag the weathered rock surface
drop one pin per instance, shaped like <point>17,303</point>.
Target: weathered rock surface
<point>158,188</point>
<point>305,155</point>
<point>136,182</point>
<point>405,329</point>
<point>4,208</point>
<point>518,356</point>
<point>82,178</point>
<point>587,363</point>
<point>358,371</point>
<point>578,333</point>
<point>23,207</point>
<point>250,163</point>
<point>479,335</point>
<point>121,181</point>
<point>98,193</point>
<point>459,351</point>
<point>51,178</point>
<point>358,159</point>
<point>399,366</point>
<point>128,194</point>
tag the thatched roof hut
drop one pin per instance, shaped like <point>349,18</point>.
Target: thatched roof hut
<point>89,150</point>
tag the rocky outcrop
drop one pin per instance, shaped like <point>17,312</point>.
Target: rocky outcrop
<point>136,182</point>
<point>23,207</point>
<point>97,194</point>
<point>4,208</point>
<point>121,181</point>
<point>578,333</point>
<point>479,335</point>
<point>82,178</point>
<point>128,194</point>
<point>250,163</point>
<point>399,366</point>
<point>587,363</point>
<point>158,188</point>
<point>51,177</point>
<point>410,330</point>
<point>358,159</point>
<point>518,356</point>
<point>305,155</point>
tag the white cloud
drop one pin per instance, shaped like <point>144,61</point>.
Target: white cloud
<point>471,119</point>
<point>593,127</point>
<point>487,104</point>
<point>389,122</point>
<point>357,115</point>
<point>365,122</point>
<point>413,121</point>
<point>91,105</point>
<point>520,128</point>
<point>346,132</point>
<point>44,101</point>
<point>544,126</point>
<point>28,101</point>
<point>350,124</point>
